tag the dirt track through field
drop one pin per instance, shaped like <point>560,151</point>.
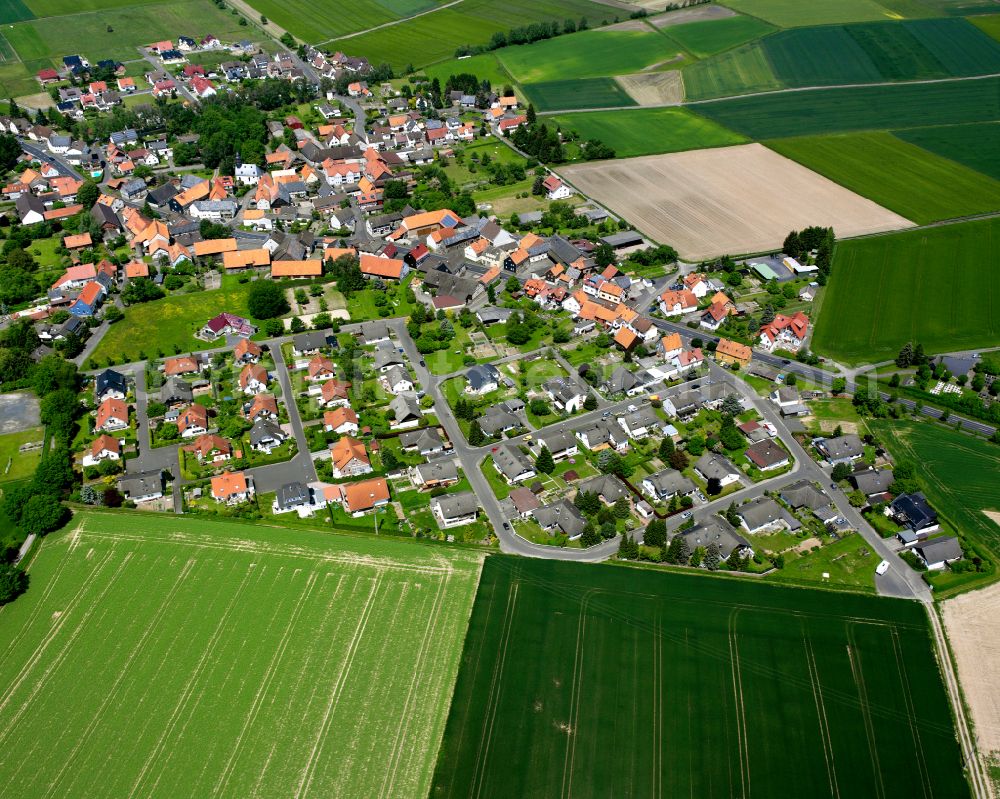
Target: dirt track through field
<point>972,622</point>
<point>654,88</point>
<point>726,200</point>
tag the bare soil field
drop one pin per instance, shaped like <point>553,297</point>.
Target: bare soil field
<point>972,622</point>
<point>734,200</point>
<point>654,88</point>
<point>679,17</point>
<point>627,25</point>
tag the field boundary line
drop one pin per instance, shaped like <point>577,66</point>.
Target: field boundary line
<point>824,726</point>
<point>53,581</point>
<point>904,681</point>
<point>479,775</point>
<point>123,673</point>
<point>310,769</point>
<point>859,681</point>
<point>188,689</point>
<point>567,786</point>
<point>51,635</point>
<point>62,654</point>
<point>403,729</point>
<point>303,673</point>
<point>265,685</point>
<point>742,744</point>
<point>391,23</point>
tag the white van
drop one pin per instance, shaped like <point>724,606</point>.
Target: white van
<point>882,568</point>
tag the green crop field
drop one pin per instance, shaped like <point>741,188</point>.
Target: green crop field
<point>221,659</point>
<point>316,20</point>
<point>939,286</point>
<point>599,682</point>
<point>17,465</point>
<point>14,11</point>
<point>834,55</point>
<point>117,32</point>
<point>901,176</point>
<point>588,54</point>
<point>646,131</point>
<point>563,95</point>
<point>715,35</point>
<point>958,473</point>
<point>989,24</point>
<point>977,146</point>
<point>807,113</point>
<point>742,70</point>
<point>795,13</point>
<point>470,22</point>
<point>59,8</point>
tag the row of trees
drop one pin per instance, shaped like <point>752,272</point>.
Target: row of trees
<point>526,34</point>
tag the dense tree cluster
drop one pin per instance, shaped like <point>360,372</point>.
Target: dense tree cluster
<point>525,34</point>
<point>801,244</point>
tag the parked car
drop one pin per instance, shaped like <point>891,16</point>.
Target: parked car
<point>882,568</point>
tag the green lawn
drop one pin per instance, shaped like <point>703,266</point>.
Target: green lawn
<point>959,474</point>
<point>171,322</point>
<point>850,562</point>
<point>250,660</point>
<point>501,489</point>
<point>707,687</point>
<point>588,54</point>
<point>902,177</point>
<point>16,465</point>
<point>939,287</point>
<point>645,131</point>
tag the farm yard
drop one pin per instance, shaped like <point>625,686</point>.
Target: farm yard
<point>894,107</point>
<point>647,131</point>
<point>767,676</point>
<point>223,659</point>
<point>940,287</point>
<point>697,201</point>
<point>900,176</point>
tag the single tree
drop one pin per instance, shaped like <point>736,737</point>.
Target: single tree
<point>476,435</point>
<point>713,557</point>
<point>544,462</point>
<point>266,300</point>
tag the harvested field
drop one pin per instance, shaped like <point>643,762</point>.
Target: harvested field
<point>684,15</point>
<point>972,622</point>
<point>698,201</point>
<point>654,88</point>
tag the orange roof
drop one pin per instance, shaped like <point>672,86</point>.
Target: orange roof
<point>335,418</point>
<point>207,442</point>
<point>199,191</point>
<point>240,259</point>
<point>347,449</point>
<point>247,347</point>
<point>253,213</point>
<point>733,349</point>
<point>625,338</point>
<point>214,246</point>
<point>310,268</point>
<point>263,402</point>
<point>671,342</point>
<point>365,495</point>
<point>111,408</point>
<point>319,364</point>
<point>491,275</point>
<point>334,389</point>
<point>62,213</point>
<point>183,364</point>
<point>381,267</point>
<point>105,442</point>
<point>91,292</point>
<point>229,483</point>
<point>136,269</point>
<point>440,218</point>
<point>194,416</point>
<point>721,297</point>
<point>333,253</point>
<point>253,371</point>
<point>684,298</point>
